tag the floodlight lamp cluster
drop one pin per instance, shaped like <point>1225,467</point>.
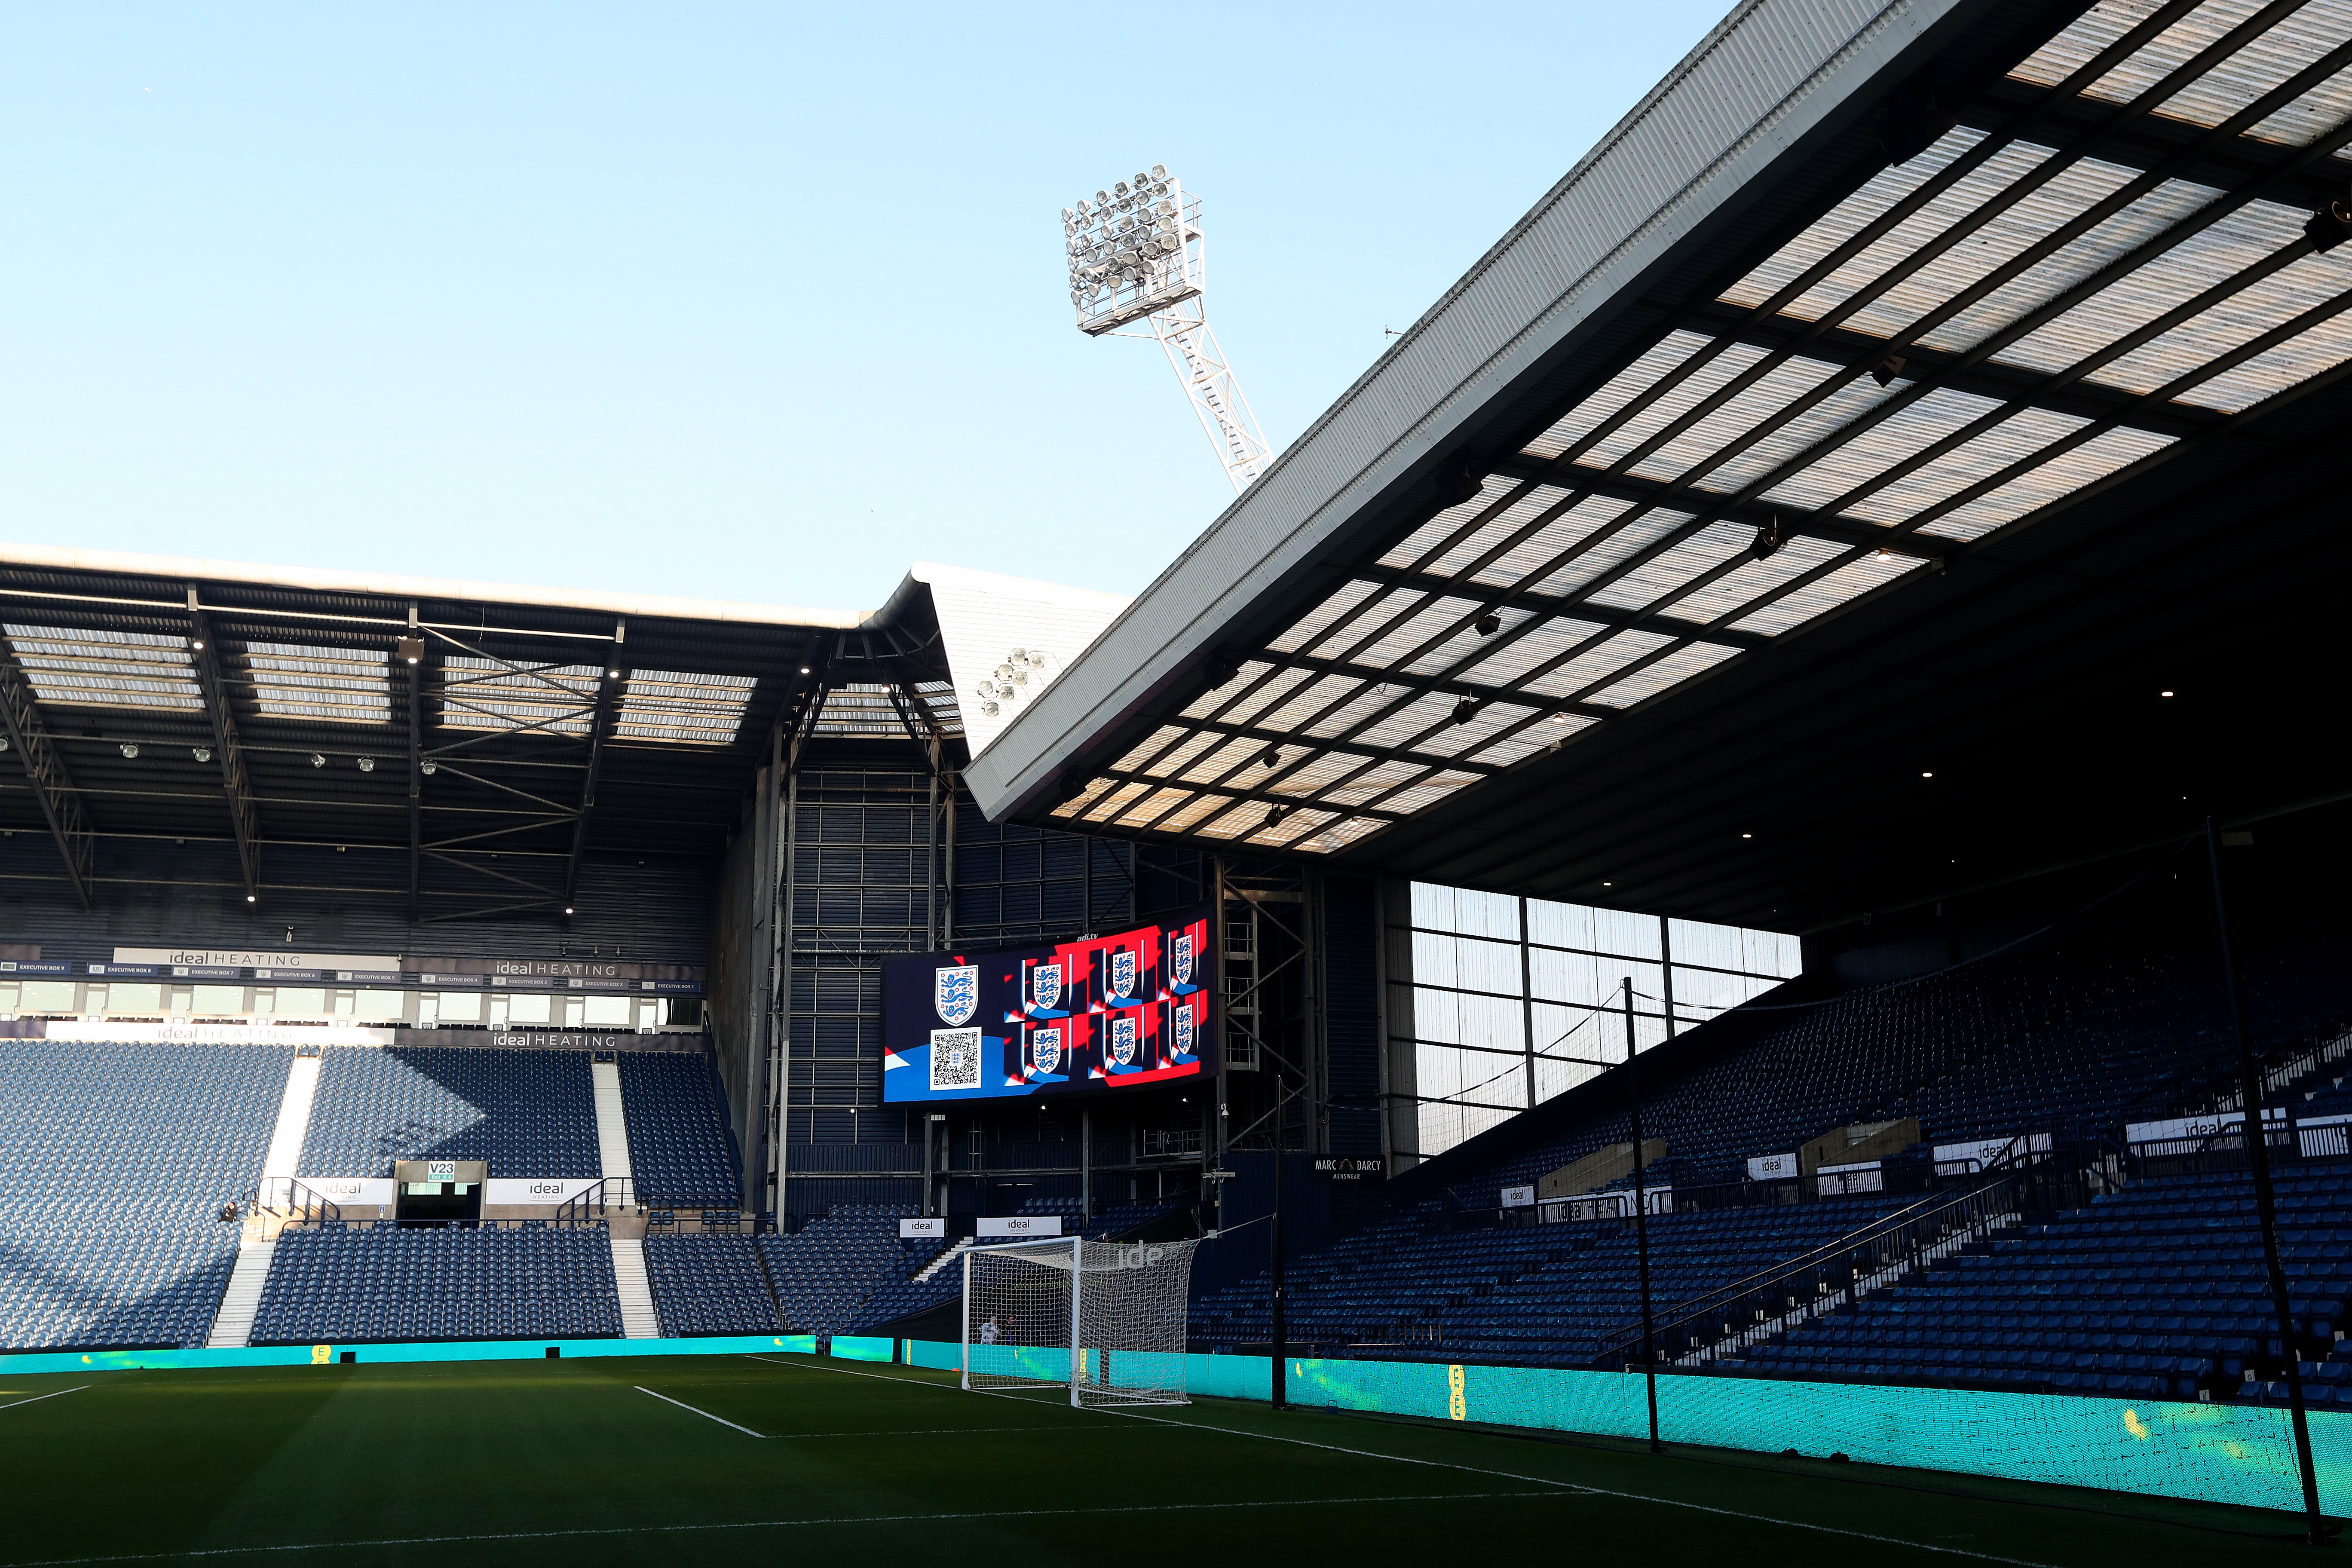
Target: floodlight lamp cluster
<point>1009,681</point>
<point>1131,250</point>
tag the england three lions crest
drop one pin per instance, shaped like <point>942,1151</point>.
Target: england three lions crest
<point>1121,972</point>
<point>1046,984</point>
<point>1180,958</point>
<point>1119,1051</point>
<point>1182,1019</point>
<point>955,993</point>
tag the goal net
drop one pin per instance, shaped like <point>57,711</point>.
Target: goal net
<point>1102,1319</point>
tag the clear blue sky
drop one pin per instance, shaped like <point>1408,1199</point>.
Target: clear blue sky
<point>733,302</point>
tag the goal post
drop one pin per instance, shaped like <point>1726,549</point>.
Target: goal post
<point>1102,1319</point>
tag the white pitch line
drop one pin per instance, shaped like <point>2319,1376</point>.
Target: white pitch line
<point>1505,1475</point>
<point>705,1415</point>
<point>59,1394</point>
<point>760,1524</point>
<point>1599,1491</point>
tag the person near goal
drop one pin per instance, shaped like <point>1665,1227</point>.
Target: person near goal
<point>988,1335</point>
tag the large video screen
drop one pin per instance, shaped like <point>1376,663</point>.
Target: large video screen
<point>1107,1014</point>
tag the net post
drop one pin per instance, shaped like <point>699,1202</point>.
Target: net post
<point>1077,1335</point>
<point>2257,1138</point>
<point>966,1356</point>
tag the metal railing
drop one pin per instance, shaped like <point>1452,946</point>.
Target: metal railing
<point>291,1202</point>
<point>1775,1300</point>
<point>592,1204</point>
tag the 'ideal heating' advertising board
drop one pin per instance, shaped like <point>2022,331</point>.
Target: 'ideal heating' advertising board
<point>1102,1014</point>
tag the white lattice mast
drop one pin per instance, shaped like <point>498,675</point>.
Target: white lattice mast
<point>1136,255</point>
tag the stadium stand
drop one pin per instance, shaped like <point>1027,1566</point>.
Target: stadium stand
<point>2155,1292</point>
<point>823,1271</point>
<point>115,1161</point>
<point>678,1146</point>
<point>708,1284</point>
<point>529,1113</point>
<point>380,1283</point>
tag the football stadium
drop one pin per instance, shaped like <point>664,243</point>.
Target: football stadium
<point>1704,925</point>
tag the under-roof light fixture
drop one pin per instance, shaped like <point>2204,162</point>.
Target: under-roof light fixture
<point>612,675</point>
<point>1770,537</point>
<point>367,765</point>
<point>1559,718</point>
<point>203,754</point>
<point>1272,758</point>
<point>1888,369</point>
<point>1488,623</point>
<point>2330,226</point>
<point>1885,554</point>
<point>1747,836</point>
<point>1926,775</point>
<point>804,670</point>
<point>248,897</point>
<point>196,642</point>
<point>567,909</point>
<point>2164,694</point>
<point>429,767</point>
<point>1465,711</point>
<point>412,650</point>
<point>129,747</point>
<point>3,742</point>
<point>316,761</point>
<point>1275,813</point>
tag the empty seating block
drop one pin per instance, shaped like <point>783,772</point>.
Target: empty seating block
<point>115,1161</point>
<point>2156,1292</point>
<point>679,1148</point>
<point>827,1268</point>
<point>529,1113</point>
<point>337,1286</point>
<point>708,1284</point>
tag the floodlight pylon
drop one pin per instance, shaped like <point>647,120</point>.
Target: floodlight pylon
<point>1139,256</point>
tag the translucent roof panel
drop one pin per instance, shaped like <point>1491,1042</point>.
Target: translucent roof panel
<point>549,699</point>
<point>340,685</point>
<point>683,708</point>
<point>1954,347</point>
<point>106,668</point>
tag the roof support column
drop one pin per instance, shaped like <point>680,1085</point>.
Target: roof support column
<point>60,803</point>
<point>600,723</point>
<point>205,653</point>
<point>411,655</point>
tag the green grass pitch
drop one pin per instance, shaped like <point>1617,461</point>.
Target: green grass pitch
<point>520,1463</point>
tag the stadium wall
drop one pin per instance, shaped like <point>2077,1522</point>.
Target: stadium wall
<point>149,893</point>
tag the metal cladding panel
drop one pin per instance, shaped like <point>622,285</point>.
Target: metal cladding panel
<point>984,616</point>
<point>1769,74</point>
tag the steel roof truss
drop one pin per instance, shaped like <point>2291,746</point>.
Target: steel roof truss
<point>227,750</point>
<point>52,786</point>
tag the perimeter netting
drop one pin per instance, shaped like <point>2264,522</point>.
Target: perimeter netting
<point>1103,1319</point>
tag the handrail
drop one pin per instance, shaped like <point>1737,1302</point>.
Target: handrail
<point>296,1201</point>
<point>1932,1209</point>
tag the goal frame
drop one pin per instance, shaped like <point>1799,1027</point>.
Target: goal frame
<point>1088,1350</point>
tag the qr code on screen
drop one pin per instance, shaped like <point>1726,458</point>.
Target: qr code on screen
<point>955,1058</point>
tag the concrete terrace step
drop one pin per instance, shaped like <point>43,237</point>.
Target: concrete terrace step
<point>233,1323</point>
<point>638,1318</point>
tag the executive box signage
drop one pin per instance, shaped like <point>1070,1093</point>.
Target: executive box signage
<point>1342,1169</point>
<point>253,958</point>
<point>392,968</point>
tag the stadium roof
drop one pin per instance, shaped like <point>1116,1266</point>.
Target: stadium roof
<point>151,697</point>
<point>1799,510</point>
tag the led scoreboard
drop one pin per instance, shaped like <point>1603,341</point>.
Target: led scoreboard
<point>1101,1014</point>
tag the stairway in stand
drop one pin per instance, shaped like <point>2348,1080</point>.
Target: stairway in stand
<point>639,1320</point>
<point>233,1324</point>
